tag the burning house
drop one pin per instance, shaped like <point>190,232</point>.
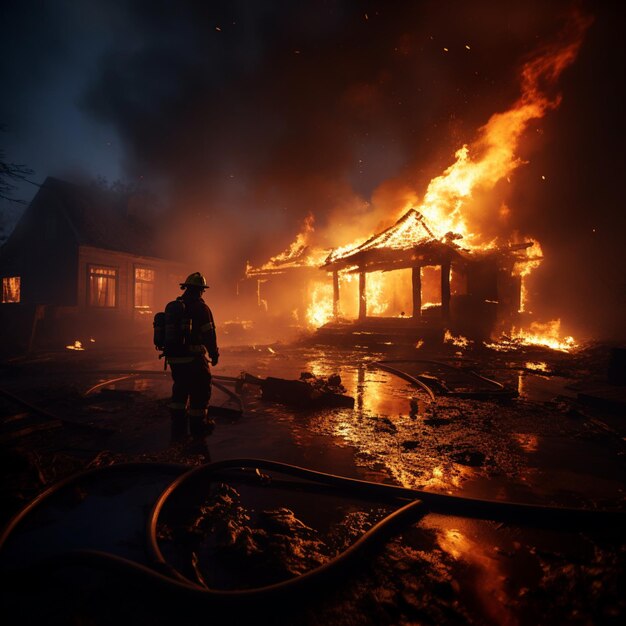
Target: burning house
<point>473,293</point>
<point>300,262</point>
<point>405,281</point>
<point>456,260</point>
<point>83,263</point>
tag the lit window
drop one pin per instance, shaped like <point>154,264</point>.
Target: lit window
<point>144,290</point>
<point>102,286</point>
<point>11,289</point>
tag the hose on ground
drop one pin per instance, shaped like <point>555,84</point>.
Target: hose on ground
<point>174,582</point>
<point>415,503</point>
<point>156,374</point>
<point>499,391</point>
<point>33,408</point>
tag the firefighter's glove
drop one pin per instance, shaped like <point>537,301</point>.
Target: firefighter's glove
<point>215,359</point>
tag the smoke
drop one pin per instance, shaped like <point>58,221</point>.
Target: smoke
<point>253,115</point>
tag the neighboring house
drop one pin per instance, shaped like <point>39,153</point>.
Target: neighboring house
<point>84,263</point>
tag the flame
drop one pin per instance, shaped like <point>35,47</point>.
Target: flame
<point>376,303</point>
<point>492,156</point>
<point>548,334</point>
<point>298,254</point>
<point>297,246</point>
<point>459,342</point>
<point>539,334</point>
<point>77,345</point>
<point>536,366</point>
<point>523,269</point>
<point>448,205</point>
<point>320,309</point>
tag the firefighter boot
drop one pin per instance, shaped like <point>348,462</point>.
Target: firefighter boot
<point>199,424</point>
<point>179,424</point>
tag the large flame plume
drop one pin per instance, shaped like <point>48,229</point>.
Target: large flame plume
<point>447,203</point>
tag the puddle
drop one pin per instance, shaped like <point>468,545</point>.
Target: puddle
<point>537,388</point>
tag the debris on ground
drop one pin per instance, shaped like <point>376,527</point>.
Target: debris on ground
<point>310,391</point>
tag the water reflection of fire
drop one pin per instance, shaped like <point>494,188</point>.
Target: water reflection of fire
<point>489,572</point>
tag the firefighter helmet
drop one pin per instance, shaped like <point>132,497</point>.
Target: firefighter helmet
<point>195,280</point>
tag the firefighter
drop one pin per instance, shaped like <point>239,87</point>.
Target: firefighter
<point>190,370</point>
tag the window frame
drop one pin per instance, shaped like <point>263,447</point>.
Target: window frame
<point>116,269</point>
<point>19,300</point>
<point>140,266</point>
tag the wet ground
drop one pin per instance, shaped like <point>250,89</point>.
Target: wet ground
<point>542,447</point>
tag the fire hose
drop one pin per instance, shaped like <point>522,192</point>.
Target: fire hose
<point>132,374</point>
<point>498,390</point>
<point>415,503</point>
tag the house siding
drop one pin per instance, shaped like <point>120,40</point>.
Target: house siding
<point>167,276</point>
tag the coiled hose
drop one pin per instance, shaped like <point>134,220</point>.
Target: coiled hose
<point>164,575</point>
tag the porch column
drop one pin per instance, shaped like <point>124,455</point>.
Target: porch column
<point>335,294</point>
<point>417,291</point>
<point>362,296</point>
<point>445,290</point>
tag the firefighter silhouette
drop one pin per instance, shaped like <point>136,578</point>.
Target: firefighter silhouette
<point>189,342</point>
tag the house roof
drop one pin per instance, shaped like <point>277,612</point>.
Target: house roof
<point>298,256</point>
<point>409,241</point>
<point>101,218</point>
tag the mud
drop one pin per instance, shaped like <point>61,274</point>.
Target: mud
<point>543,447</point>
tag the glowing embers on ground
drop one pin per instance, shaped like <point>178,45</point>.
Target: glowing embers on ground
<point>537,366</point>
<point>78,345</point>
<point>458,341</point>
<point>538,334</point>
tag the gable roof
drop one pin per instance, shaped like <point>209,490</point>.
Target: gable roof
<point>100,218</point>
<point>294,258</point>
<point>396,244</point>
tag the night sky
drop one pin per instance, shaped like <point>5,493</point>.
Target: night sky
<point>246,116</point>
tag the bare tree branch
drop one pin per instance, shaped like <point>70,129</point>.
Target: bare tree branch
<point>11,173</point>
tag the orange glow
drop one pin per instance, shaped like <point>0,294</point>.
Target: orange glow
<point>538,334</point>
<point>533,259</point>
<point>376,304</point>
<point>449,210</point>
<point>536,366</point>
<point>77,345</point>
<point>320,309</point>
<point>488,570</point>
<point>298,254</point>
<point>492,156</point>
<point>459,342</point>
